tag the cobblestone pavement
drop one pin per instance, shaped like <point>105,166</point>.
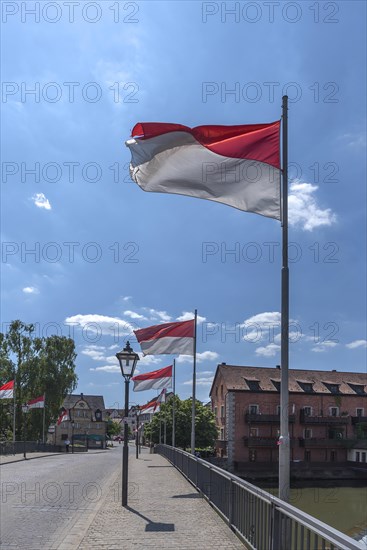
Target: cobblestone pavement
<point>165,511</point>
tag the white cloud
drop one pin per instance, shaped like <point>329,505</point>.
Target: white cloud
<point>156,315</point>
<point>107,368</point>
<point>134,315</point>
<point>126,298</point>
<point>149,360</point>
<point>357,344</point>
<point>101,324</point>
<point>268,351</point>
<point>200,357</point>
<point>200,381</point>
<point>355,141</point>
<point>304,210</point>
<point>188,315</point>
<point>41,201</point>
<point>323,346</point>
<point>30,290</point>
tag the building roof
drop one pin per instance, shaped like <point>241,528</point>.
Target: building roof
<point>235,378</point>
<point>94,401</point>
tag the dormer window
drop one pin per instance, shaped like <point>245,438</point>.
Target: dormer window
<point>307,387</point>
<point>333,388</point>
<point>254,385</point>
<point>357,388</point>
<point>276,383</point>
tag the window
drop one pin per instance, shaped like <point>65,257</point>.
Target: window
<point>254,432</point>
<point>222,433</point>
<point>307,411</point>
<point>278,410</point>
<point>334,411</point>
<point>254,409</point>
<point>333,388</point>
<point>253,385</point>
<point>252,455</point>
<point>97,426</point>
<point>358,456</point>
<point>222,414</point>
<point>307,387</point>
<point>357,388</point>
<point>308,456</point>
<point>276,383</point>
<point>307,433</point>
<point>333,456</point>
<point>363,457</point>
<point>360,412</point>
<point>215,411</point>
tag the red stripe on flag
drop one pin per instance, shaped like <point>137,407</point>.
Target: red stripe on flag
<point>185,329</point>
<point>161,373</point>
<point>258,142</point>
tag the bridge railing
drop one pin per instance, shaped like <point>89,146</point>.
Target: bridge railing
<point>262,521</point>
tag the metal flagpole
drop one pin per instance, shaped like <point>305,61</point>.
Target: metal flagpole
<point>284,444</point>
<point>44,418</point>
<point>174,404</point>
<point>194,391</point>
<point>14,404</point>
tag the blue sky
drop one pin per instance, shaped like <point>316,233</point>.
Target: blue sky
<point>85,252</point>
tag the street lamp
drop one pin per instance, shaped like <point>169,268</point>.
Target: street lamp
<point>72,436</point>
<point>127,359</point>
<point>25,409</point>
<point>136,410</point>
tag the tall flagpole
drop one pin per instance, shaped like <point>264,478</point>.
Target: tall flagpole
<point>284,444</point>
<point>174,404</point>
<point>194,391</point>
<point>14,403</point>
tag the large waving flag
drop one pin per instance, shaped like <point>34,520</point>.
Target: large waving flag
<point>234,165</point>
<point>167,338</point>
<point>7,390</point>
<point>154,380</point>
<point>63,417</point>
<point>37,403</point>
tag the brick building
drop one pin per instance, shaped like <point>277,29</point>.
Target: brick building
<point>327,414</point>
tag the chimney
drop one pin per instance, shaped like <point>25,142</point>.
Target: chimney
<point>223,363</point>
<point>81,396</point>
<point>277,366</point>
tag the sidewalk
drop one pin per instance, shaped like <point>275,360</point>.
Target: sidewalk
<point>165,511</point>
<point>18,457</point>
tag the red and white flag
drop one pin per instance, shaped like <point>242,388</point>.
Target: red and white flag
<point>154,380</point>
<point>149,407</point>
<point>37,403</point>
<point>167,338</point>
<point>7,390</point>
<point>234,165</point>
<point>64,416</point>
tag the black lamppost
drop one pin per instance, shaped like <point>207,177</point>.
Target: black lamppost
<point>25,410</point>
<point>72,436</point>
<point>127,359</point>
<point>136,410</point>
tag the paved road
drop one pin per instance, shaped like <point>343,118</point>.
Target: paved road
<point>42,499</point>
<point>73,502</point>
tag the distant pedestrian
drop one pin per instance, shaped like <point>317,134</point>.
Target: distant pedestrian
<point>67,444</point>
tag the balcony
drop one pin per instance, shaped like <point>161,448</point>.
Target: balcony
<point>305,419</point>
<point>266,418</point>
<point>263,441</point>
<point>359,419</point>
<point>327,443</point>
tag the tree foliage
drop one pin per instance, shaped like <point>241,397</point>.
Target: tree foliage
<point>39,366</point>
<point>205,428</point>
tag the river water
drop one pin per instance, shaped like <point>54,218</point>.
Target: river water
<point>344,508</point>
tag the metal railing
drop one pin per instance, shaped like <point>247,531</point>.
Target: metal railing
<point>262,521</point>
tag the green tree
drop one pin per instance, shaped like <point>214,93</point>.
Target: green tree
<point>113,428</point>
<point>205,429</point>
<point>39,366</point>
